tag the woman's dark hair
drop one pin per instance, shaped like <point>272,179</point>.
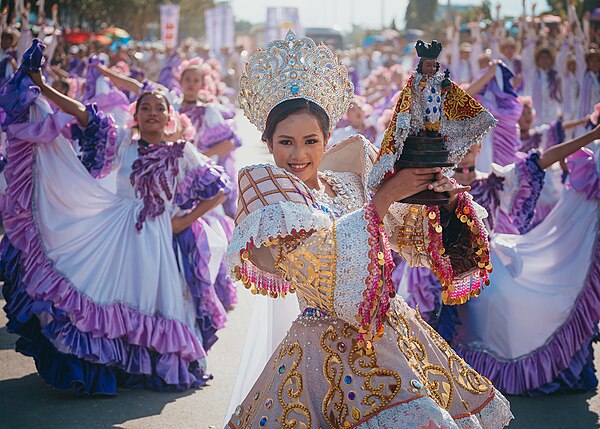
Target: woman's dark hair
<point>420,65</point>
<point>292,107</point>
<point>197,68</point>
<point>147,93</point>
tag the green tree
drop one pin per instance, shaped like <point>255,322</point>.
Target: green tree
<point>132,15</point>
<point>559,7</point>
<point>590,5</point>
<point>243,27</point>
<point>486,9</point>
<point>420,13</point>
<point>192,17</point>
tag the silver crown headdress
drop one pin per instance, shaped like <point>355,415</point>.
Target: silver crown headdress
<point>294,68</point>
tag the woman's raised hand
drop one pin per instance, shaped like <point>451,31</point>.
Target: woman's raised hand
<point>36,77</point>
<point>32,61</point>
<point>410,181</point>
<point>403,184</point>
<point>444,184</point>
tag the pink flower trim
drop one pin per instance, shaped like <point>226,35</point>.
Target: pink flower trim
<point>379,287</point>
<point>458,290</point>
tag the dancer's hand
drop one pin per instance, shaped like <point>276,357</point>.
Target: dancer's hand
<point>36,77</point>
<point>179,223</point>
<point>444,184</point>
<point>405,183</point>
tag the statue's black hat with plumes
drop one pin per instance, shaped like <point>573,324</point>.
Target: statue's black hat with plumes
<point>431,51</point>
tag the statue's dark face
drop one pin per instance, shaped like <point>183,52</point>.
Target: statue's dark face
<point>429,67</point>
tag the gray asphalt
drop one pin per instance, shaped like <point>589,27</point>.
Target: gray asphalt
<point>27,402</point>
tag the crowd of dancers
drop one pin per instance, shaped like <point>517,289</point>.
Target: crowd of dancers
<point>120,197</point>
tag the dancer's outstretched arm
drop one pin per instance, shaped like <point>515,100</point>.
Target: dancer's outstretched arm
<point>477,85</point>
<point>561,151</point>
<point>120,80</point>
<point>567,125</point>
<point>63,102</point>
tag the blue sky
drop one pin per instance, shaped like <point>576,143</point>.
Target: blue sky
<point>341,13</point>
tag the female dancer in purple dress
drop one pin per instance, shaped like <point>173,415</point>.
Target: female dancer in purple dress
<point>97,287</point>
<point>215,138</point>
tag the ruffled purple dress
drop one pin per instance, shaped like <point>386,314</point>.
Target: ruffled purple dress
<point>531,332</point>
<point>98,290</point>
<point>211,129</point>
<point>543,137</point>
<point>499,97</point>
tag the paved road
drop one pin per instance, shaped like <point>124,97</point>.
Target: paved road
<point>26,402</point>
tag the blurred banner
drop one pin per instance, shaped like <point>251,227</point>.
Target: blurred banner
<point>280,20</point>
<point>220,29</point>
<point>169,24</point>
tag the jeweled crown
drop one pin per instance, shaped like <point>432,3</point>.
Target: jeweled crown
<point>294,68</point>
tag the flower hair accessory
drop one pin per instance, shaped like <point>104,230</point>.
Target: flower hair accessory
<point>171,125</point>
<point>188,131</point>
<point>131,122</point>
<point>188,64</point>
<point>294,68</point>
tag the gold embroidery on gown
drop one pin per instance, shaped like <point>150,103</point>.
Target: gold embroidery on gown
<point>310,266</point>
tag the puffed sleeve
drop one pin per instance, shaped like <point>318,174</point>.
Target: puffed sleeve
<point>285,241</point>
<point>96,142</point>
<point>215,129</point>
<point>199,179</point>
<point>585,176</point>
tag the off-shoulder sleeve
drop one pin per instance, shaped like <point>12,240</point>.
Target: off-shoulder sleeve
<point>97,142</point>
<point>199,179</point>
<point>284,241</point>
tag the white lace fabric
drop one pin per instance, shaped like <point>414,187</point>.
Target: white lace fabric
<point>276,220</point>
<point>352,264</point>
